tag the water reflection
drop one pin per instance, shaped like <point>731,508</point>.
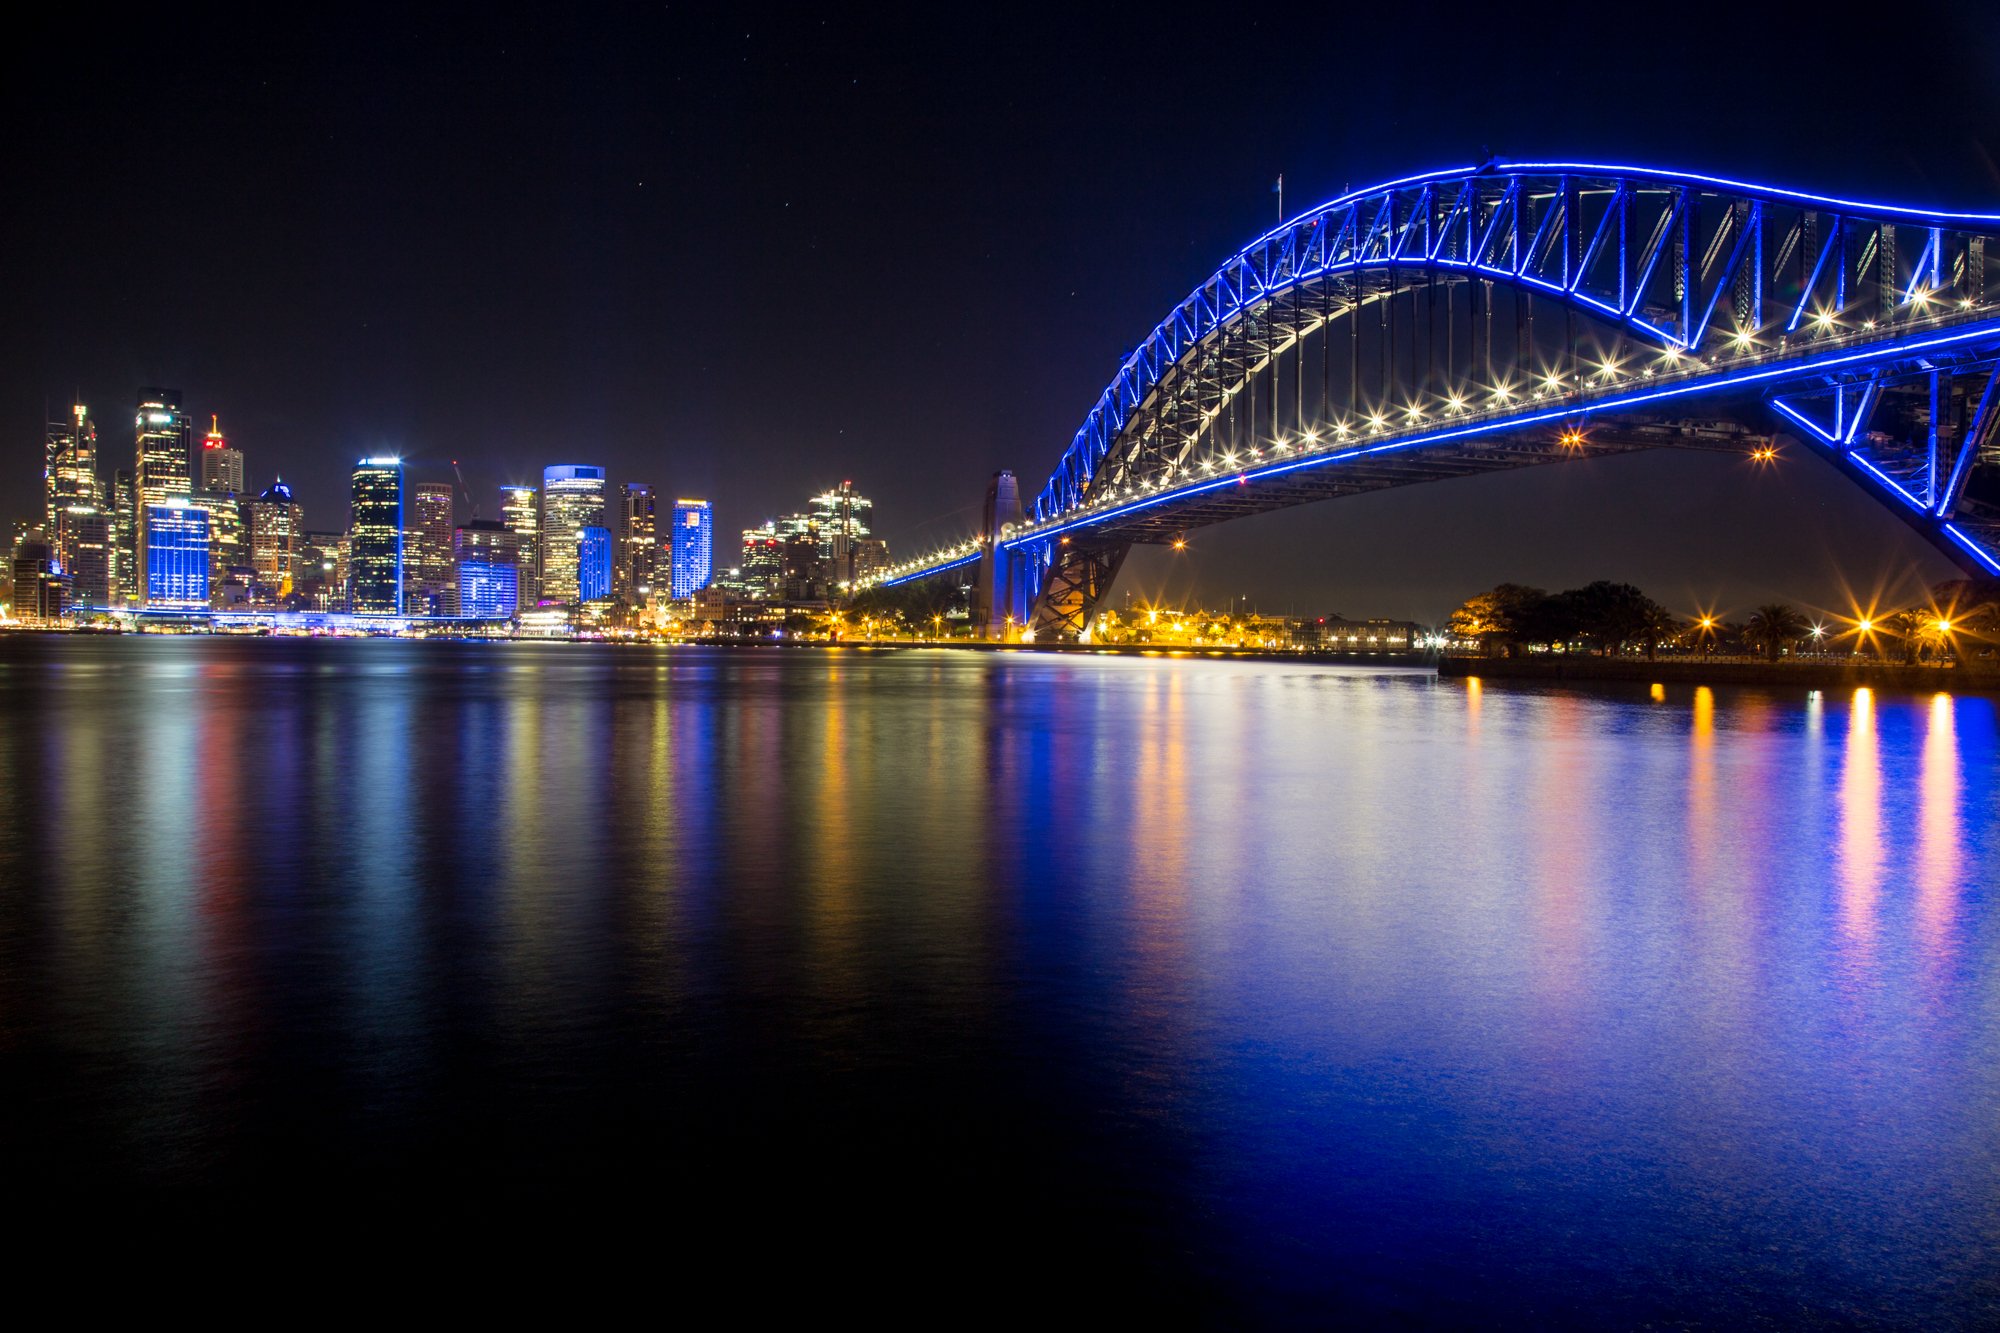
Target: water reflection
<point>1276,982</point>
<point>1940,849</point>
<point>1861,853</point>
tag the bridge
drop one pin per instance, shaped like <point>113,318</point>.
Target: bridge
<point>1513,315</point>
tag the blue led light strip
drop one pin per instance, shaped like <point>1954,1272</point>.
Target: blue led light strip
<point>1983,557</point>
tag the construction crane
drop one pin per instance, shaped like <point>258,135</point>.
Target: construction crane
<point>467,489</point>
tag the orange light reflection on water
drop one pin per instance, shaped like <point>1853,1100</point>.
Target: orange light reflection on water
<point>1940,840</point>
<point>1860,854</point>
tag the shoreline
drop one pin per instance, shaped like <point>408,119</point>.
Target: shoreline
<point>1576,668</point>
<point>1406,661</point>
<point>1817,675</point>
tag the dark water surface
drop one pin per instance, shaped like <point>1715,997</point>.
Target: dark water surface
<point>1271,990</point>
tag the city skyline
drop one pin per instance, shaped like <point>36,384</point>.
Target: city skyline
<point>402,553</point>
<point>213,462</point>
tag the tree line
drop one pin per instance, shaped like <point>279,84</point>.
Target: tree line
<point>1610,618</point>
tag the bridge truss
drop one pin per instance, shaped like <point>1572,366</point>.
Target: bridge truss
<point>1475,320</point>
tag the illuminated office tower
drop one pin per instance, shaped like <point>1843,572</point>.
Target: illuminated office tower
<point>221,466</point>
<point>692,554</point>
<point>87,541</point>
<point>488,557</point>
<point>77,525</point>
<point>429,583</point>
<point>124,538</point>
<point>277,526</point>
<point>159,469</point>
<point>593,564</point>
<point>375,539</point>
<point>638,541</point>
<point>228,541</point>
<point>842,518</point>
<point>572,500</point>
<point>176,555</point>
<point>762,573</point>
<point>40,588</point>
<point>319,572</point>
<point>869,556</point>
<point>228,544</point>
<point>70,466</point>
<point>802,540</point>
<point>523,518</point>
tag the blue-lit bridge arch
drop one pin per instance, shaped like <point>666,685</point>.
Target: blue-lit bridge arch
<point>1498,317</point>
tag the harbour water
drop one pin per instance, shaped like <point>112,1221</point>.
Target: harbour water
<point>1268,990</point>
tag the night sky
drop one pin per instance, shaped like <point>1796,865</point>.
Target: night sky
<point>748,255</point>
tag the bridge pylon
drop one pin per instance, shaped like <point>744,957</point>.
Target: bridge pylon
<point>1001,593</point>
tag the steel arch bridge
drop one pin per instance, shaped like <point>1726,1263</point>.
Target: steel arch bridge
<point>1503,316</point>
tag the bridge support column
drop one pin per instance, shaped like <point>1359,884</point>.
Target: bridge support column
<point>999,602</point>
<point>1077,580</point>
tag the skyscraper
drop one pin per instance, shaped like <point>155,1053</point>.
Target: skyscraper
<point>375,550</point>
<point>842,518</point>
<point>488,558</point>
<point>593,564</point>
<point>176,555</point>
<point>572,500</point>
<point>125,573</point>
<point>40,587</point>
<point>803,542</point>
<point>763,569</point>
<point>277,527</point>
<point>519,512</point>
<point>319,571</point>
<point>693,547</point>
<point>87,541</point>
<point>638,540</point>
<point>70,469</point>
<point>228,543</point>
<point>221,466</point>
<point>430,584</point>
<point>76,523</point>
<point>159,468</point>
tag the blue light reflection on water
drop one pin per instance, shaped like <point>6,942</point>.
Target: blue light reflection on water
<point>1283,985</point>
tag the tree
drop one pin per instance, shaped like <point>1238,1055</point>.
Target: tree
<point>1548,621</point>
<point>1774,626</point>
<point>1496,619</point>
<point>1660,625</point>
<point>1615,614</point>
<point>1907,628</point>
<point>918,607</point>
